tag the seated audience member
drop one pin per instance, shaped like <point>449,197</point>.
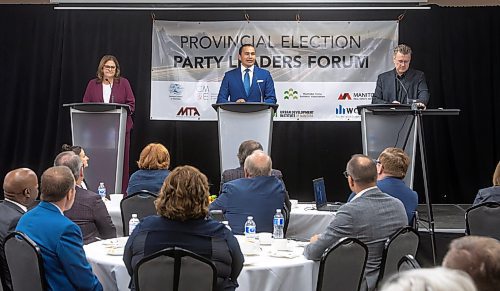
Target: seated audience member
<point>60,239</point>
<point>259,194</point>
<point>479,257</point>
<point>372,216</point>
<point>490,194</point>
<point>20,189</point>
<point>81,153</point>
<point>182,206</point>
<point>392,165</point>
<point>89,211</point>
<point>433,279</point>
<point>153,169</point>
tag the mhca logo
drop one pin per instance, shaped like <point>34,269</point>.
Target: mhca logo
<point>188,111</point>
<point>345,96</point>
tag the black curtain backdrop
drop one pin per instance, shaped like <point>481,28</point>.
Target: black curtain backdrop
<point>47,57</point>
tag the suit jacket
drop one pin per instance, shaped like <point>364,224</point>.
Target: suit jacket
<point>413,81</point>
<point>205,237</point>
<point>258,197</point>
<point>90,213</point>
<point>262,87</point>
<point>398,189</point>
<point>490,194</point>
<point>61,245</point>
<point>372,218</point>
<point>150,180</point>
<point>233,174</point>
<point>121,92</point>
<point>10,214</point>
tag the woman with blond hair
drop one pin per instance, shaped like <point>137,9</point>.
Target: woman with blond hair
<point>153,169</point>
<point>490,194</point>
<point>182,208</point>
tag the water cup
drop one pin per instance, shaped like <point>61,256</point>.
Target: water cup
<point>280,244</point>
<point>265,238</point>
<point>294,202</point>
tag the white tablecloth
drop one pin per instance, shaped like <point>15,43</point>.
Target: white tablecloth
<point>260,273</point>
<point>116,215</point>
<point>306,221</point>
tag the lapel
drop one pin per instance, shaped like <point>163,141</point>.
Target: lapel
<point>13,206</point>
<point>98,88</point>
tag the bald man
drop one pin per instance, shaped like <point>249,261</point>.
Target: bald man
<point>259,194</point>
<point>20,188</point>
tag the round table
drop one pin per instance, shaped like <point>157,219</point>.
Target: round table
<point>262,272</point>
<point>306,221</point>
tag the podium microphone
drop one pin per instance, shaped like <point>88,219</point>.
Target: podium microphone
<point>260,90</point>
<point>404,89</point>
<point>111,93</point>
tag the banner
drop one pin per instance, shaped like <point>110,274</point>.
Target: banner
<point>322,70</point>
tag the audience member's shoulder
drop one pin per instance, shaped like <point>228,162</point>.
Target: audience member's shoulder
<point>276,173</point>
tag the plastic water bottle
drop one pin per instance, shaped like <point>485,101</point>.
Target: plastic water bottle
<point>101,190</point>
<point>132,223</point>
<point>278,224</point>
<point>250,228</point>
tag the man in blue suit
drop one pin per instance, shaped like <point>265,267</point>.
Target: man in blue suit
<point>60,239</point>
<point>248,82</point>
<point>259,194</point>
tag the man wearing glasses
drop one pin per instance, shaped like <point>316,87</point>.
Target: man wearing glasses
<point>372,217</point>
<point>20,188</point>
<point>401,85</point>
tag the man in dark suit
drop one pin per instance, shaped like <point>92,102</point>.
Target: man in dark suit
<point>20,188</point>
<point>89,211</point>
<point>372,217</point>
<point>59,239</point>
<point>258,194</point>
<point>401,85</point>
<point>248,82</point>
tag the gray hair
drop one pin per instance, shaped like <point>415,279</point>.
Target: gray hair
<point>70,160</point>
<point>258,164</point>
<point>402,49</point>
<point>432,279</point>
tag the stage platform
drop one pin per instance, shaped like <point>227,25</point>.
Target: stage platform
<point>449,223</point>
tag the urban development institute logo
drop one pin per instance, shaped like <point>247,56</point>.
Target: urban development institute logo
<point>291,93</point>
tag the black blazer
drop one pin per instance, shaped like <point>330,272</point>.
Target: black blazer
<point>413,81</point>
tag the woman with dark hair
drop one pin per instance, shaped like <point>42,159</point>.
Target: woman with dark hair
<point>153,169</point>
<point>81,153</point>
<point>490,194</point>
<point>110,87</point>
<point>182,222</point>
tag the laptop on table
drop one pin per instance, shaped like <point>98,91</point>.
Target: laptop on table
<point>320,196</point>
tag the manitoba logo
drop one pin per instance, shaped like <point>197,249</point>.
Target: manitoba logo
<point>345,96</point>
<point>291,93</point>
<point>188,111</point>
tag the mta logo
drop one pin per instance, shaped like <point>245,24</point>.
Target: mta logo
<point>343,110</point>
<point>188,111</point>
<point>345,96</point>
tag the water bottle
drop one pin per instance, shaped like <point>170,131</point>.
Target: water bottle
<point>132,223</point>
<point>101,190</point>
<point>250,228</point>
<point>278,224</point>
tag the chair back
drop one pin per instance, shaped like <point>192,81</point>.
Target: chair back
<point>141,203</point>
<point>25,263</point>
<point>342,266</point>
<point>403,242</point>
<point>408,262</point>
<point>483,219</point>
<point>175,269</point>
